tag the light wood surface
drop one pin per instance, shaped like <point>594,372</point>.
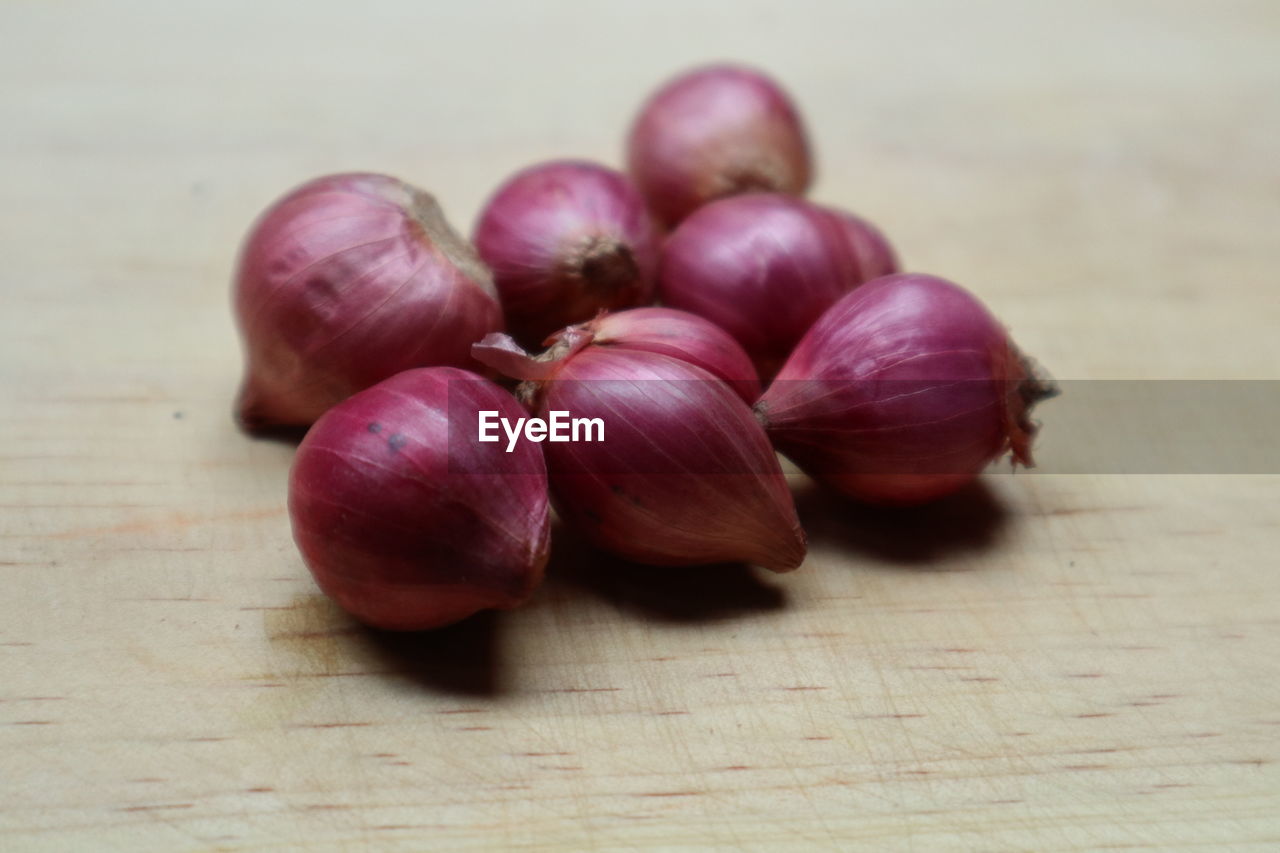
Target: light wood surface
<point>1049,663</point>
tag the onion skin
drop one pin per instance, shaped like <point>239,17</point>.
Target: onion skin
<point>681,335</point>
<point>873,255</point>
<point>715,132</point>
<point>902,393</point>
<point>765,266</point>
<point>566,240</point>
<point>404,519</point>
<point>345,281</point>
<point>685,475</point>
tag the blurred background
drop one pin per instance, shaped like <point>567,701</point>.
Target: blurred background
<point>1045,155</point>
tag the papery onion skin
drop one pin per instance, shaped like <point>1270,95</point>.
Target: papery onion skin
<point>345,281</point>
<point>681,335</point>
<point>726,500</point>
<point>765,266</point>
<point>566,240</point>
<point>873,255</point>
<point>902,393</point>
<point>685,475</point>
<point>714,132</point>
<point>404,519</point>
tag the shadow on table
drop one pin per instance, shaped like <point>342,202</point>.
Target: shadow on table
<point>669,593</point>
<point>972,519</point>
<point>464,659</point>
<point>325,642</point>
<point>287,435</point>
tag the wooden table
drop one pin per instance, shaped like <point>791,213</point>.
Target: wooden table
<point>1049,663</point>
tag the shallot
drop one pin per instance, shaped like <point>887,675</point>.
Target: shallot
<point>764,266</point>
<point>681,335</point>
<point>684,475</point>
<point>903,392</point>
<point>565,240</point>
<point>715,132</point>
<point>407,520</point>
<point>348,280</point>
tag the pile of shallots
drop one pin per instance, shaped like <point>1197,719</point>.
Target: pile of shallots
<point>368,319</point>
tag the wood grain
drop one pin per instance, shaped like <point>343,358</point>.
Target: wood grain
<point>1046,663</point>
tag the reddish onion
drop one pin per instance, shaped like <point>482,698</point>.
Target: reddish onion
<point>685,475</point>
<point>404,519</point>
<point>565,240</point>
<point>345,281</point>
<point>902,392</point>
<point>872,254</point>
<point>714,132</point>
<point>681,335</point>
<point>764,266</point>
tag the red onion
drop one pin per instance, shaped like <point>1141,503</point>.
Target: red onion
<point>763,267</point>
<point>404,518</point>
<point>685,475</point>
<point>902,392</point>
<point>872,254</point>
<point>345,281</point>
<point>714,132</point>
<point>566,240</point>
<point>681,335</point>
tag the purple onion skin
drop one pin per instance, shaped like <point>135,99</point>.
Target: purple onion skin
<point>345,281</point>
<point>715,132</point>
<point>902,393</point>
<point>681,335</point>
<point>763,267</point>
<point>873,255</point>
<point>685,475</point>
<point>566,240</point>
<point>407,529</point>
